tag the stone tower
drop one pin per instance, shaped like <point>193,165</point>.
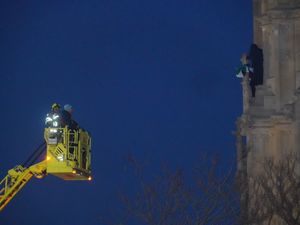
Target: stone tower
<point>270,123</point>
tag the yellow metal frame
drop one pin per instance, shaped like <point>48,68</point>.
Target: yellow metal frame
<point>68,157</point>
<point>17,178</point>
<point>68,153</point>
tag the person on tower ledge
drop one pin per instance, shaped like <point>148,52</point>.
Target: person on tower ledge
<point>247,69</point>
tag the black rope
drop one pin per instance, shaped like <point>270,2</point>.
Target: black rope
<point>35,155</point>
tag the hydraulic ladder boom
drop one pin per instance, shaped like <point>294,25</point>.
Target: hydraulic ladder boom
<point>17,178</point>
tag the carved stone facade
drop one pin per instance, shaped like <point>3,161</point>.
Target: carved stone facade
<point>270,123</point>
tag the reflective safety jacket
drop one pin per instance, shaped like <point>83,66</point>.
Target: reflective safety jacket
<point>53,119</point>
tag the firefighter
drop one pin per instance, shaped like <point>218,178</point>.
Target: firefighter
<point>53,119</point>
<point>67,117</point>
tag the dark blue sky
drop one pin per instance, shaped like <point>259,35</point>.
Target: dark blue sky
<point>153,78</point>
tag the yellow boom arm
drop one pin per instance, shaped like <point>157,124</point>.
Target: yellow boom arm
<point>17,178</point>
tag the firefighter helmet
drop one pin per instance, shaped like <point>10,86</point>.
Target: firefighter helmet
<point>55,106</point>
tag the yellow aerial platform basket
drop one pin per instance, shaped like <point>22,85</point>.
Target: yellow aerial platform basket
<point>68,153</point>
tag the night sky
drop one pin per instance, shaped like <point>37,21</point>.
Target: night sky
<point>151,78</point>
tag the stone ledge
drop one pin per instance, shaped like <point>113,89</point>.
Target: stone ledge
<point>279,15</point>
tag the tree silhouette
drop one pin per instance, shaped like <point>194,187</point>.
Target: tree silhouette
<point>170,199</point>
<point>274,192</point>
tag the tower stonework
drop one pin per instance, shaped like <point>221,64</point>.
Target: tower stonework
<point>270,123</point>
